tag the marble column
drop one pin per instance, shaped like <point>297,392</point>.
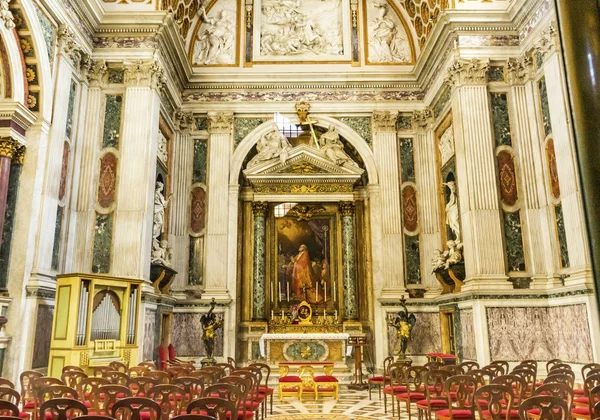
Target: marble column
<point>259,289</point>
<point>349,261</point>
<point>220,129</point>
<point>85,169</point>
<point>180,218</point>
<point>537,226</point>
<point>476,172</point>
<point>132,234</point>
<point>8,148</point>
<point>385,151</point>
<point>426,173</point>
<point>566,162</point>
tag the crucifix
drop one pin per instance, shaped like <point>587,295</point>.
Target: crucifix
<point>302,109</point>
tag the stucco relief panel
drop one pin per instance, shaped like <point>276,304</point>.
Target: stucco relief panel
<point>387,38</point>
<point>215,41</point>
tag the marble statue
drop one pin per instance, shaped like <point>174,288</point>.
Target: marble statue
<point>333,148</point>
<point>387,41</point>
<point>210,325</point>
<point>272,145</point>
<point>160,205</point>
<point>403,324</point>
<point>452,214</point>
<point>442,260</point>
<point>162,253</point>
<point>446,145</point>
<point>215,44</point>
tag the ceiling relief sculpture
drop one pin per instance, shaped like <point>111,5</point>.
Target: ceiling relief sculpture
<point>388,41</point>
<point>215,39</point>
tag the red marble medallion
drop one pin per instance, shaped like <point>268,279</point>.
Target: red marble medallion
<point>508,179</point>
<point>409,202</point>
<point>197,221</point>
<point>552,169</point>
<point>108,180</point>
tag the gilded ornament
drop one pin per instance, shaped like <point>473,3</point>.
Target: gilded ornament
<point>19,155</point>
<point>305,212</point>
<point>468,72</point>
<point>31,101</point>
<point>25,45</point>
<point>384,120</point>
<point>347,208</point>
<point>220,122</point>
<point>30,74</point>
<point>8,147</point>
<point>260,208</point>
<point>304,168</point>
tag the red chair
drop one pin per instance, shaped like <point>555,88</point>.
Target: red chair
<point>87,388</point>
<point>379,380</point>
<point>27,395</point>
<point>162,358</point>
<point>435,398</point>
<point>495,402</point>
<point>8,408</point>
<point>173,357</point>
<point>132,408</point>
<point>159,376</point>
<point>140,385</point>
<point>137,371</point>
<point>192,417</point>
<point>590,382</point>
<point>169,398</point>
<point>106,397</point>
<point>462,406</point>
<point>62,408</point>
<point>118,366</point>
<point>116,377</point>
<point>548,407</point>
<point>414,388</point>
<point>514,382</point>
<point>72,377</point>
<point>560,390</point>
<point>593,399</point>
<point>468,365</point>
<point>192,388</point>
<point>217,408</point>
<point>394,383</point>
<point>265,389</point>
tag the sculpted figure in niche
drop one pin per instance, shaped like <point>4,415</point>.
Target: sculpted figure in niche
<point>452,216</point>
<point>271,145</point>
<point>333,148</point>
<point>160,205</point>
<point>215,45</point>
<point>387,43</point>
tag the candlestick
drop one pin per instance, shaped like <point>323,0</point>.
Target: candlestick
<point>325,290</point>
<point>282,315</point>
<point>271,292</point>
<point>334,292</point>
<point>279,291</point>
<point>317,300</point>
<point>288,291</point>
<point>335,315</point>
<point>272,315</point>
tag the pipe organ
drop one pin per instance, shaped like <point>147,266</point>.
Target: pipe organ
<point>95,321</point>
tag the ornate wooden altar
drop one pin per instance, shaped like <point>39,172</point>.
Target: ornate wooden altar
<point>95,321</point>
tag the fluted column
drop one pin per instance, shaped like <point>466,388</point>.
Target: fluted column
<point>426,172</point>
<point>385,150</point>
<point>8,148</point>
<point>349,261</point>
<point>537,226</point>
<point>220,129</point>
<point>566,161</point>
<point>180,219</point>
<point>477,184</point>
<point>259,290</point>
<point>86,168</point>
<point>132,237</point>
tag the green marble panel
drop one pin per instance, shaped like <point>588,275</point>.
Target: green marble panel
<point>200,161</point>
<point>407,160</point>
<point>116,76</point>
<point>439,106</point>
<point>545,106</point>
<point>362,126</point>
<point>57,234</point>
<point>413,259</point>
<point>201,124</point>
<point>501,119</point>
<point>513,238</point>
<point>349,268</point>
<point>102,243</point>
<point>404,122</point>
<point>562,236</point>
<point>196,261</point>
<point>112,121</point>
<point>496,74</point>
<point>9,221</point>
<point>244,126</point>
<point>70,110</point>
<point>259,299</point>
<point>539,60</point>
<point>49,32</point>
<point>306,350</point>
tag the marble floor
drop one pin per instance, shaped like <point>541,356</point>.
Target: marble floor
<point>352,405</point>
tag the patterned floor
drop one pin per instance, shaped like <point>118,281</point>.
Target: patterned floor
<point>353,405</point>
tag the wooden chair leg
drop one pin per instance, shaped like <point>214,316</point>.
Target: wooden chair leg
<point>379,390</point>
<point>408,408</point>
<point>272,403</point>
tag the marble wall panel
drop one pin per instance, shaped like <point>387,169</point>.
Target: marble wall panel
<point>426,335</point>
<point>501,119</point>
<point>187,335</point>
<point>9,220</point>
<point>467,333</point>
<point>407,160</point>
<point>49,32</point>
<point>57,234</point>
<point>562,236</point>
<point>362,126</point>
<point>116,76</point>
<point>540,333</point>
<point>442,102</point>
<point>102,243</point>
<point>196,261</point>
<point>244,126</point>
<point>149,334</point>
<point>43,335</point>
<point>198,213</point>
<point>413,259</point>
<point>404,122</point>
<point>543,90</point>
<point>496,74</point>
<point>64,171</point>
<point>508,179</point>
<point>70,110</point>
<point>112,120</point>
<point>552,169</point>
<point>107,180</point>
<point>199,167</point>
<point>513,237</point>
<point>409,208</point>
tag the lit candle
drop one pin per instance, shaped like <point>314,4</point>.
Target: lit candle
<point>335,315</point>
<point>288,291</point>
<point>282,315</point>
<point>271,292</point>
<point>272,315</point>
<point>325,314</point>
<point>325,290</point>
<point>279,292</point>
<point>317,301</point>
<point>334,293</point>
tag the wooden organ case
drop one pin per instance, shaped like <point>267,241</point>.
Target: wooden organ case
<point>95,322</point>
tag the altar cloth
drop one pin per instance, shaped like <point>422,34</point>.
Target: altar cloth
<point>319,336</point>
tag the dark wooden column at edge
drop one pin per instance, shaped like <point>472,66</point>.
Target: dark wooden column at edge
<point>579,25</point>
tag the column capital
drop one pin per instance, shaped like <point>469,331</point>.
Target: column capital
<point>421,120</point>
<point>184,121</point>
<point>520,70</point>
<point>260,208</point>
<point>144,73</point>
<point>347,208</point>
<point>19,155</point>
<point>385,120</point>
<point>220,122</point>
<point>549,42</point>
<point>68,46</point>
<point>8,147</point>
<point>467,72</point>
<point>94,71</point>
<point>6,15</point>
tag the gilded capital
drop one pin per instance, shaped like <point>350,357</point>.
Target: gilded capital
<point>144,73</point>
<point>520,70</point>
<point>384,120</point>
<point>19,155</point>
<point>468,72</point>
<point>96,73</point>
<point>260,208</point>
<point>185,121</point>
<point>8,147</point>
<point>68,46</point>
<point>220,122</point>
<point>422,119</point>
<point>347,208</point>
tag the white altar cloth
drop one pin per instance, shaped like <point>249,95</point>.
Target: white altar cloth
<point>299,336</point>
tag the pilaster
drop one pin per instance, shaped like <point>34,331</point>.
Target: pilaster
<point>220,129</point>
<point>349,261</point>
<point>477,186</point>
<point>259,289</point>
<point>385,150</point>
<point>132,234</point>
<point>179,223</point>
<point>427,182</point>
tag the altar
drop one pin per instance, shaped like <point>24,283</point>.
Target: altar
<point>292,347</point>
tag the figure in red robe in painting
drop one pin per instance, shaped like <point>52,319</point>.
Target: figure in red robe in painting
<point>303,275</point>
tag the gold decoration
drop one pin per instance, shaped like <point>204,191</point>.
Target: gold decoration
<point>260,207</point>
<point>306,351</point>
<point>8,147</point>
<point>302,109</point>
<point>304,168</point>
<point>31,101</point>
<point>19,155</point>
<point>126,356</point>
<point>84,359</point>
<point>347,208</point>
<point>304,212</point>
<point>303,188</point>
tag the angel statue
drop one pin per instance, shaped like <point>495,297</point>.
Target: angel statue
<point>272,145</point>
<point>404,324</point>
<point>210,325</point>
